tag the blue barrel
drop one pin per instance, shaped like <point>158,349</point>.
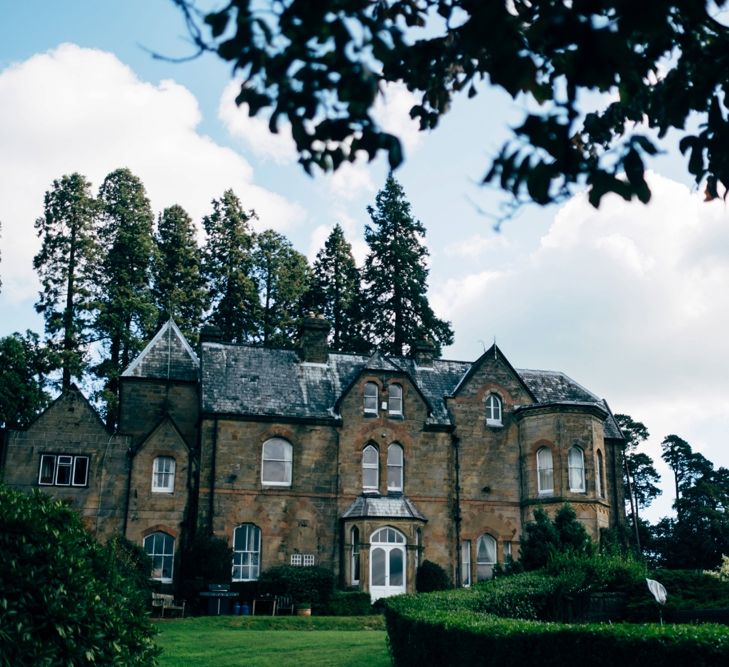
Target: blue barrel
<point>245,609</point>
<point>236,608</point>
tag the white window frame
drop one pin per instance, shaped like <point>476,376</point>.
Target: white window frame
<point>371,396</point>
<point>302,560</point>
<point>545,472</point>
<point>395,469</point>
<point>247,560</point>
<point>394,400</point>
<point>599,475</point>
<point>163,474</point>
<point>356,561</point>
<point>576,469</point>
<point>485,566</point>
<point>371,465</point>
<point>162,548</point>
<point>466,563</point>
<point>494,410</point>
<point>73,464</point>
<point>287,462</point>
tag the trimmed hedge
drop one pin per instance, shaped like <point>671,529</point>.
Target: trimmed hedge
<point>348,603</point>
<point>303,584</point>
<point>500,623</point>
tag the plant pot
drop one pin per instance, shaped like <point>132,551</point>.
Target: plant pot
<point>303,610</point>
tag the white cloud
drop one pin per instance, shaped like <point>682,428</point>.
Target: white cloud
<point>392,112</point>
<point>477,245</point>
<point>76,109</point>
<point>630,300</point>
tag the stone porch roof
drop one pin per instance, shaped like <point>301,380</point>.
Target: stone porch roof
<point>385,507</point>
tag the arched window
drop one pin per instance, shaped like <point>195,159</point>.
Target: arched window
<point>395,461</point>
<point>493,410</point>
<point>163,475</point>
<point>485,557</point>
<point>576,463</point>
<point>354,537</point>
<point>545,473</point>
<point>599,476</point>
<point>276,464</point>
<point>160,548</point>
<point>246,552</point>
<point>370,398</point>
<point>370,468</point>
<point>394,399</point>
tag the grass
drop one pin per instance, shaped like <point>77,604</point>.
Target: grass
<point>265,641</point>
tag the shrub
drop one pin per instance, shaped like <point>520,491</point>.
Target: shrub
<point>303,584</point>
<point>65,599</point>
<point>348,603</point>
<point>543,538</point>
<point>431,577</point>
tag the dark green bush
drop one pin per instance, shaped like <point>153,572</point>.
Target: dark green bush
<point>431,577</point>
<point>544,538</point>
<point>303,584</point>
<point>348,603</point>
<point>65,599</point>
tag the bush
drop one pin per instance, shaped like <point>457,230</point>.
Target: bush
<point>206,560</point>
<point>303,584</point>
<point>431,577</point>
<point>348,603</point>
<point>544,538</point>
<point>65,599</point>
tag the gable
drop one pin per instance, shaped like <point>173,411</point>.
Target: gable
<point>164,436</point>
<point>68,414</point>
<point>167,356</point>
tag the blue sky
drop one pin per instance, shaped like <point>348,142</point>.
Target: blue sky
<point>628,300</point>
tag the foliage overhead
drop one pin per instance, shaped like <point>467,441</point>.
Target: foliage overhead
<point>395,275</point>
<point>602,82</point>
<point>65,599</point>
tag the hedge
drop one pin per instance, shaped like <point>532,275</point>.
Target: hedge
<point>471,628</point>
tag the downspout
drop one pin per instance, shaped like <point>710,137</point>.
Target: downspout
<point>211,499</point>
<point>455,440</point>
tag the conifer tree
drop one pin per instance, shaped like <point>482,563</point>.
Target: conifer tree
<point>336,293</point>
<point>126,315</point>
<point>227,268</point>
<point>283,277</point>
<point>178,287</point>
<point>66,264</point>
<point>395,274</point>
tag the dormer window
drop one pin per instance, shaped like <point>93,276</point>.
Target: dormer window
<point>493,410</point>
<point>370,398</point>
<point>394,400</point>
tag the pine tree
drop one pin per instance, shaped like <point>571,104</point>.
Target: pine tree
<point>395,274</point>
<point>283,277</point>
<point>336,293</point>
<point>66,264</point>
<point>126,309</point>
<point>178,287</point>
<point>227,268</point>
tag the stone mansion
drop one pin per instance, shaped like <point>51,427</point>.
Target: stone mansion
<point>366,465</point>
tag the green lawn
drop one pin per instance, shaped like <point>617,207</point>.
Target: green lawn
<point>234,641</point>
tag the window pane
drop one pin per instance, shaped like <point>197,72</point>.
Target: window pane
<point>275,471</point>
<point>369,455</point>
<point>486,549</point>
<point>63,470</point>
<point>394,393</point>
<point>396,567</point>
<point>369,478</point>
<point>394,478</point>
<point>466,562</point>
<point>47,469</point>
<point>370,397</point>
<point>80,470</point>
<point>394,455</point>
<point>378,567</point>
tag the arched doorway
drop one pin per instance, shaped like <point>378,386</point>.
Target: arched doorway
<point>387,563</point>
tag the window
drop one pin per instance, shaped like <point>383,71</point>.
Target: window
<point>466,563</point>
<point>507,552</point>
<point>276,467</point>
<point>394,399</point>
<point>485,557</point>
<point>246,552</point>
<point>302,560</point>
<point>160,547</point>
<point>63,470</point>
<point>493,410</point>
<point>576,463</point>
<point>163,475</point>
<point>599,476</point>
<point>370,468</point>
<point>418,546</point>
<point>370,398</point>
<point>394,468</point>
<point>545,475</point>
<point>354,537</point>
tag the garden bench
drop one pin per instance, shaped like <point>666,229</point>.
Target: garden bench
<point>165,601</point>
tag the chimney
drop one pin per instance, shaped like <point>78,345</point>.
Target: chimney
<point>423,353</point>
<point>313,345</point>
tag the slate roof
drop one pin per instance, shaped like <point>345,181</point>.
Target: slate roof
<point>262,382</point>
<point>167,356</point>
<point>391,507</point>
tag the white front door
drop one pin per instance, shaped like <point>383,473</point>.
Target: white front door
<point>387,563</point>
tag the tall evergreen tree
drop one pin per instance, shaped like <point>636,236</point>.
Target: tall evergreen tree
<point>336,292</point>
<point>227,268</point>
<point>66,264</point>
<point>283,277</point>
<point>177,286</point>
<point>396,274</point>
<point>126,308</point>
